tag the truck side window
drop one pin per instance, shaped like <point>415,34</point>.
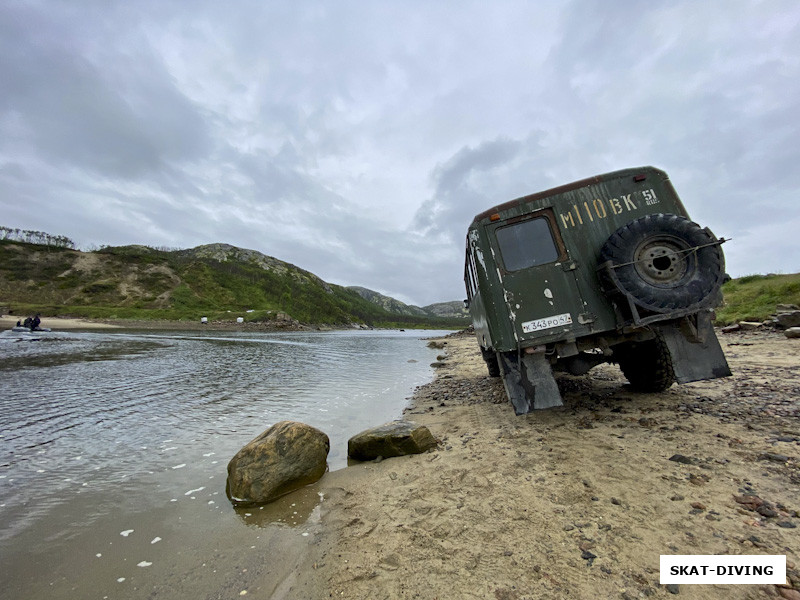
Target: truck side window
<point>470,276</point>
<point>526,244</point>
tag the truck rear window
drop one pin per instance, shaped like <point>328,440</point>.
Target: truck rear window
<point>526,244</point>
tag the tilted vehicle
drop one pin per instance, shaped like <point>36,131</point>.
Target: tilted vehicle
<point>606,269</point>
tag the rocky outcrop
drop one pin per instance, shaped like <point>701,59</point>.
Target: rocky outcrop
<point>387,303</point>
<point>286,457</point>
<point>397,438</point>
<point>452,309</point>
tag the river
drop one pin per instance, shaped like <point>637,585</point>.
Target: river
<point>114,447</point>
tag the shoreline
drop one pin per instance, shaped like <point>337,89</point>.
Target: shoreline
<point>73,323</point>
<point>574,502</point>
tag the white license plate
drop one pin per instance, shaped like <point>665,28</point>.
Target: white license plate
<point>547,323</point>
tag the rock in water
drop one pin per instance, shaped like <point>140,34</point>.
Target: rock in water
<point>397,438</point>
<point>286,457</point>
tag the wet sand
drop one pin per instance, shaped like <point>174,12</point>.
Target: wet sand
<point>574,502</point>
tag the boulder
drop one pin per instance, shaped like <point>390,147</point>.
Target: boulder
<point>397,438</point>
<point>286,457</point>
<point>792,332</point>
<point>788,319</point>
<point>750,325</point>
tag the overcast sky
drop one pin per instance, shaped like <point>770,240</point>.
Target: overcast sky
<point>358,139</point>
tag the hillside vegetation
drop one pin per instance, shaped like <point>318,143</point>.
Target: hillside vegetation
<point>450,310</point>
<point>217,280</point>
<point>755,297</point>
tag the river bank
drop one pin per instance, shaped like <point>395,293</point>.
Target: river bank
<point>67,323</point>
<point>575,502</point>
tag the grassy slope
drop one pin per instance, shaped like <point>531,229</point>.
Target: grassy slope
<point>136,282</point>
<point>754,297</point>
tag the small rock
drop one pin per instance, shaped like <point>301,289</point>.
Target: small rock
<point>586,555</point>
<point>750,325</point>
<point>780,458</point>
<point>731,328</point>
<point>789,594</point>
<point>766,511</point>
<point>749,502</point>
<point>786,524</point>
<point>676,498</point>
<point>786,308</point>
<point>698,505</point>
<point>673,588</point>
<point>397,438</point>
<point>792,332</point>
<point>680,458</point>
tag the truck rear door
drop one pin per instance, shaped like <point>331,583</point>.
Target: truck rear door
<point>538,277</point>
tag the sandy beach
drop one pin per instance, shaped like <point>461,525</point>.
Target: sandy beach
<point>58,323</point>
<point>574,502</point>
<point>67,323</point>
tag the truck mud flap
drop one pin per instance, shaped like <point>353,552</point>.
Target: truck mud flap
<point>695,360</point>
<point>529,382</point>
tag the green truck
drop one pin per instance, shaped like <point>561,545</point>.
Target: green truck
<point>606,269</point>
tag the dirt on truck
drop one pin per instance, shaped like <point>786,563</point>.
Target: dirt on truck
<point>606,269</point>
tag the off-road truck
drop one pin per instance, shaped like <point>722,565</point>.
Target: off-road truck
<point>606,269</point>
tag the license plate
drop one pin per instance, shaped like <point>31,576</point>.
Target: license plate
<point>547,323</point>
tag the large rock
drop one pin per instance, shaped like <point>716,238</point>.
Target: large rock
<point>792,332</point>
<point>788,319</point>
<point>397,438</point>
<point>287,456</point>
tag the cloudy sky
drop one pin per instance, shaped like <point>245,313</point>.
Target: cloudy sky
<point>358,139</point>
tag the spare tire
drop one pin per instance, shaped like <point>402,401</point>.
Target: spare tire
<point>665,262</point>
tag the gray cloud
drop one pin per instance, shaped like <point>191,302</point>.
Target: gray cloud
<point>357,140</point>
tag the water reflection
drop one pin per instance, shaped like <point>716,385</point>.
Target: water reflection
<point>300,507</point>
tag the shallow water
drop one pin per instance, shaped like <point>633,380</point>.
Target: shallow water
<point>114,445</point>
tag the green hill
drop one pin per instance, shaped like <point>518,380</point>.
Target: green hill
<point>755,297</point>
<point>217,280</point>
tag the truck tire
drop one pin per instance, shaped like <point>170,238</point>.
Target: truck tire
<point>646,365</point>
<point>665,262</point>
<point>492,363</point>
